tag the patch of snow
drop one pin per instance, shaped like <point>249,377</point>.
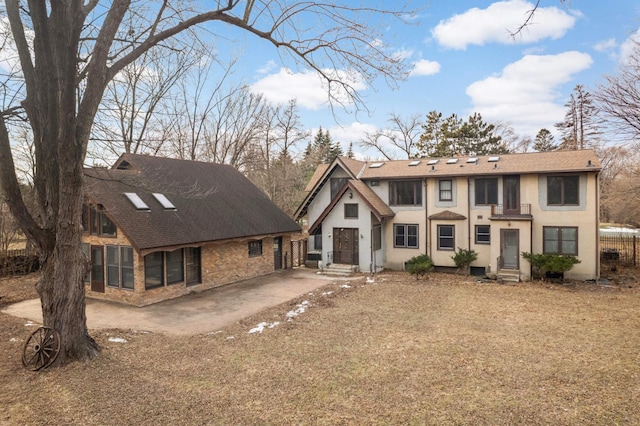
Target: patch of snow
<point>30,324</point>
<point>230,337</point>
<point>327,293</point>
<point>301,308</point>
<point>345,286</point>
<point>370,280</point>
<point>117,340</point>
<point>13,339</point>
<point>260,327</point>
<point>618,230</point>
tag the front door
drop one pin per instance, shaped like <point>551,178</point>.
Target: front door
<point>510,248</point>
<point>511,195</point>
<point>97,268</point>
<point>277,253</point>
<point>345,246</point>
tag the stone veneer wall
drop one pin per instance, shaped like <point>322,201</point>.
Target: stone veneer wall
<point>221,263</point>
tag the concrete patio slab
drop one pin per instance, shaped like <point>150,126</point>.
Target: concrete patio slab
<point>196,313</point>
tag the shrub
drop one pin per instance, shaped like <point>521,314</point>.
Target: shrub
<point>550,263</point>
<point>463,259</point>
<point>419,265</point>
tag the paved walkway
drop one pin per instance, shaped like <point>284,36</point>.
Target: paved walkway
<point>197,313</point>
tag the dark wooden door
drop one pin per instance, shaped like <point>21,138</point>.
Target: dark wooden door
<point>277,253</point>
<point>345,246</point>
<point>511,195</point>
<point>97,268</point>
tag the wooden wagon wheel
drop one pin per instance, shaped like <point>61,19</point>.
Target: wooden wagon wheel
<point>41,348</point>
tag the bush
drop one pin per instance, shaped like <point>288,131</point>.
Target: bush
<point>463,259</point>
<point>545,264</point>
<point>419,265</point>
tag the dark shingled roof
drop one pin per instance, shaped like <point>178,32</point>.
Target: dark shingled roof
<point>213,202</point>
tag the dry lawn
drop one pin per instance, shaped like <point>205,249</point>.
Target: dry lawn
<point>442,351</point>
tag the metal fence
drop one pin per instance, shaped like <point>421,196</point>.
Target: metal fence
<point>619,249</point>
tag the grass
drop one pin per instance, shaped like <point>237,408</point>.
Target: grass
<point>441,351</point>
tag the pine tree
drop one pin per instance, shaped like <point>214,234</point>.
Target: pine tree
<point>350,153</point>
<point>545,141</point>
<point>453,136</point>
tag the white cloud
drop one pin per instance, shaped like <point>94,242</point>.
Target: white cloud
<point>268,67</point>
<point>525,93</point>
<point>9,60</point>
<point>629,45</point>
<point>497,22</point>
<point>425,67</point>
<point>605,45</point>
<point>354,132</point>
<point>307,87</point>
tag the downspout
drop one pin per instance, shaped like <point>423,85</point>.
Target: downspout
<point>597,176</point>
<point>530,248</point>
<point>469,214</point>
<point>426,217</point>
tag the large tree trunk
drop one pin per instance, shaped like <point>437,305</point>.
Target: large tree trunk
<point>61,285</point>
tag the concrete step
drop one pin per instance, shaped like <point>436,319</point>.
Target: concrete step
<point>337,269</point>
<point>508,275</point>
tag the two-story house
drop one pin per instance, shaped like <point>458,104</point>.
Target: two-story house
<point>376,215</point>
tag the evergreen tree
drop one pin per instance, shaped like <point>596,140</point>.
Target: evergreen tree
<point>545,141</point>
<point>453,136</point>
<point>350,153</point>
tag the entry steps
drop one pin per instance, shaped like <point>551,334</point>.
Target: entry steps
<point>337,269</point>
<point>508,275</point>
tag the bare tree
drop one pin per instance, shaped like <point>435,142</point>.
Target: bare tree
<point>580,127</point>
<point>131,111</point>
<point>619,98</point>
<point>401,136</point>
<point>272,166</point>
<point>69,51</point>
<point>234,127</point>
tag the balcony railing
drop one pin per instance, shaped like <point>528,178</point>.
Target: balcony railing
<point>519,210</point>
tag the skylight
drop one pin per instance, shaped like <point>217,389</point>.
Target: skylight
<point>493,159</point>
<point>452,161</point>
<point>414,163</point>
<point>472,160</point>
<point>376,165</point>
<point>432,162</point>
<point>164,201</point>
<point>136,201</point>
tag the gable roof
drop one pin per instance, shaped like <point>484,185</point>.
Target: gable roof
<point>352,167</point>
<point>378,207</point>
<point>213,202</point>
<point>447,215</point>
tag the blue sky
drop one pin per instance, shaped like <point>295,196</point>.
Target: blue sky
<point>465,61</point>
